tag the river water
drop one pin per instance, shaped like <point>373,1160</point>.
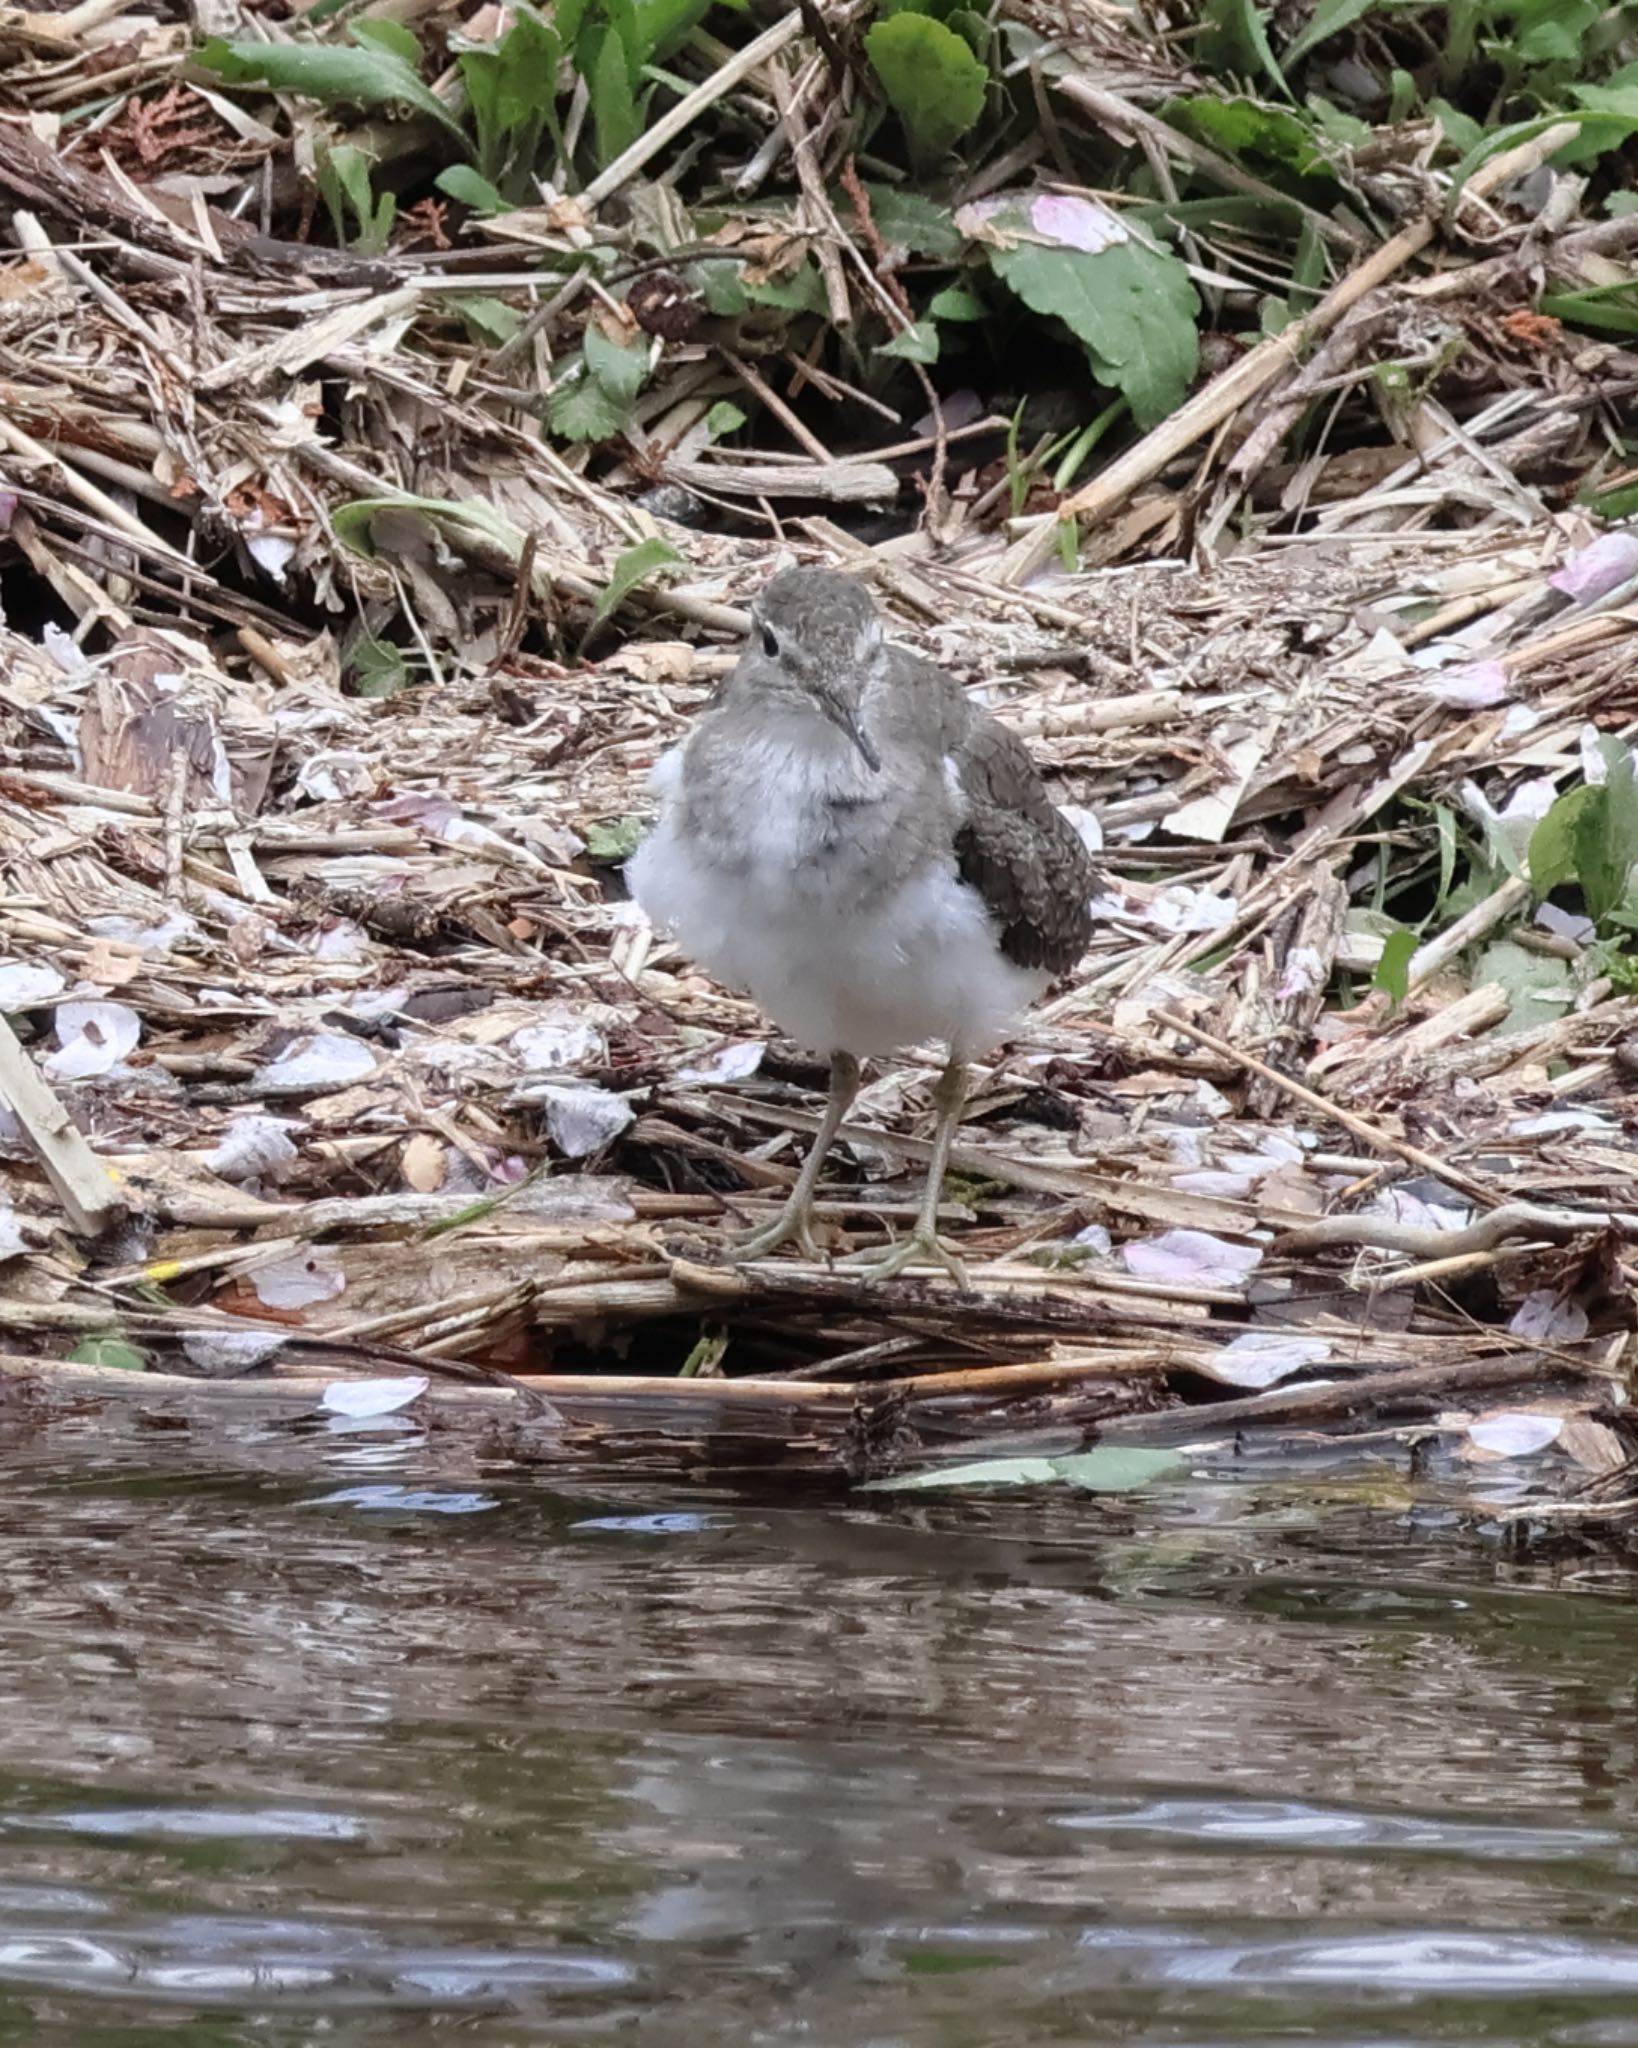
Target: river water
<point>342,1740</point>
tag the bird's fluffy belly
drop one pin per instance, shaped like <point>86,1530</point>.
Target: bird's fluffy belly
<point>838,962</point>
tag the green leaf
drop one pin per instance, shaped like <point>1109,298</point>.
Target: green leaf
<point>1605,835</point>
<point>511,88</point>
<point>1597,307</point>
<point>1131,305</point>
<point>917,343</point>
<point>109,1351</point>
<point>492,320</point>
<point>620,370</point>
<point>718,284</point>
<point>909,221</point>
<point>955,302</point>
<point>1551,857</point>
<point>663,26</point>
<point>391,36</point>
<point>1393,969</point>
<point>1329,18</point>
<point>932,80</point>
<point>614,110</point>
<point>1279,136</point>
<point>581,410</point>
<point>1107,1469</point>
<point>723,419</point>
<point>356,77</point>
<point>1539,987</point>
<point>461,182</point>
<point>1461,130</point>
<point>635,566</point>
<point>1239,42</point>
<point>802,292</point>
<point>613,839</point>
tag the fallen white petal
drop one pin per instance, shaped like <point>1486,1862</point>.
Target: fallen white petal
<point>252,1147</point>
<point>1477,686</point>
<point>557,1045</point>
<point>1546,1318</point>
<point>1262,1359</point>
<point>22,985</point>
<point>318,1059</point>
<point>1603,565</point>
<point>581,1121</point>
<point>92,1039</point>
<point>1191,1258</point>
<point>736,1061</point>
<point>373,1397</point>
<point>1515,1435</point>
<point>231,1350</point>
<point>298,1281</point>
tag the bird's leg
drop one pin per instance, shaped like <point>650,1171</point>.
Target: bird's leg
<point>794,1223</point>
<point>923,1246</point>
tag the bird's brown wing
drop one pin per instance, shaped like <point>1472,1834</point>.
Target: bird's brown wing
<point>1019,851</point>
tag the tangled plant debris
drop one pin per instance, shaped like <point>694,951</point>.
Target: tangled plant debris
<point>396,417</point>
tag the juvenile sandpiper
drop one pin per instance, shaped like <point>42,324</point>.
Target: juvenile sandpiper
<point>875,860</point>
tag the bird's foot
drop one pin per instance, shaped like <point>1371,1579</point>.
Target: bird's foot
<point>792,1225</point>
<point>920,1248</point>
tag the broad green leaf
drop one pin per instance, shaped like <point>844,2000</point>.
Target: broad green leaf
<point>1133,306</point>
<point>917,343</point>
<point>1605,835</point>
<point>1330,121</point>
<point>955,302</point>
<point>109,1351</point>
<point>356,77</point>
<point>1238,41</point>
<point>492,320</point>
<point>1461,130</point>
<point>1539,987</point>
<point>635,566</point>
<point>1551,857</point>
<point>932,80</point>
<point>663,26</point>
<point>718,283</point>
<point>391,36</point>
<point>614,110</point>
<point>376,668</point>
<point>1109,1468</point>
<point>914,223</point>
<point>802,292</point>
<point>613,839</point>
<point>461,182</point>
<point>1115,1468</point>
<point>581,410</point>
<point>723,419</point>
<point>621,371</point>
<point>1278,136</point>
<point>1393,969</point>
<point>1329,18</point>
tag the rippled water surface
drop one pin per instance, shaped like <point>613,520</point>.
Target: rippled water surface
<point>311,1740</point>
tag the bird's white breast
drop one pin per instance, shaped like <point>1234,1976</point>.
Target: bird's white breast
<point>777,894</point>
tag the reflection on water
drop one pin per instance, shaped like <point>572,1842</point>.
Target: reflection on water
<point>344,1740</point>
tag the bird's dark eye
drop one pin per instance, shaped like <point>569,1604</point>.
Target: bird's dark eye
<point>770,643</point>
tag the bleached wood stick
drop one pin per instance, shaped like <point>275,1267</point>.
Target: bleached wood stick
<point>82,1183</point>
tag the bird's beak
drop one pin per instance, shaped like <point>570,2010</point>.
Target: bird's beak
<point>848,719</point>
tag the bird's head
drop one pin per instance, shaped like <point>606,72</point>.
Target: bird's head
<point>816,638</point>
